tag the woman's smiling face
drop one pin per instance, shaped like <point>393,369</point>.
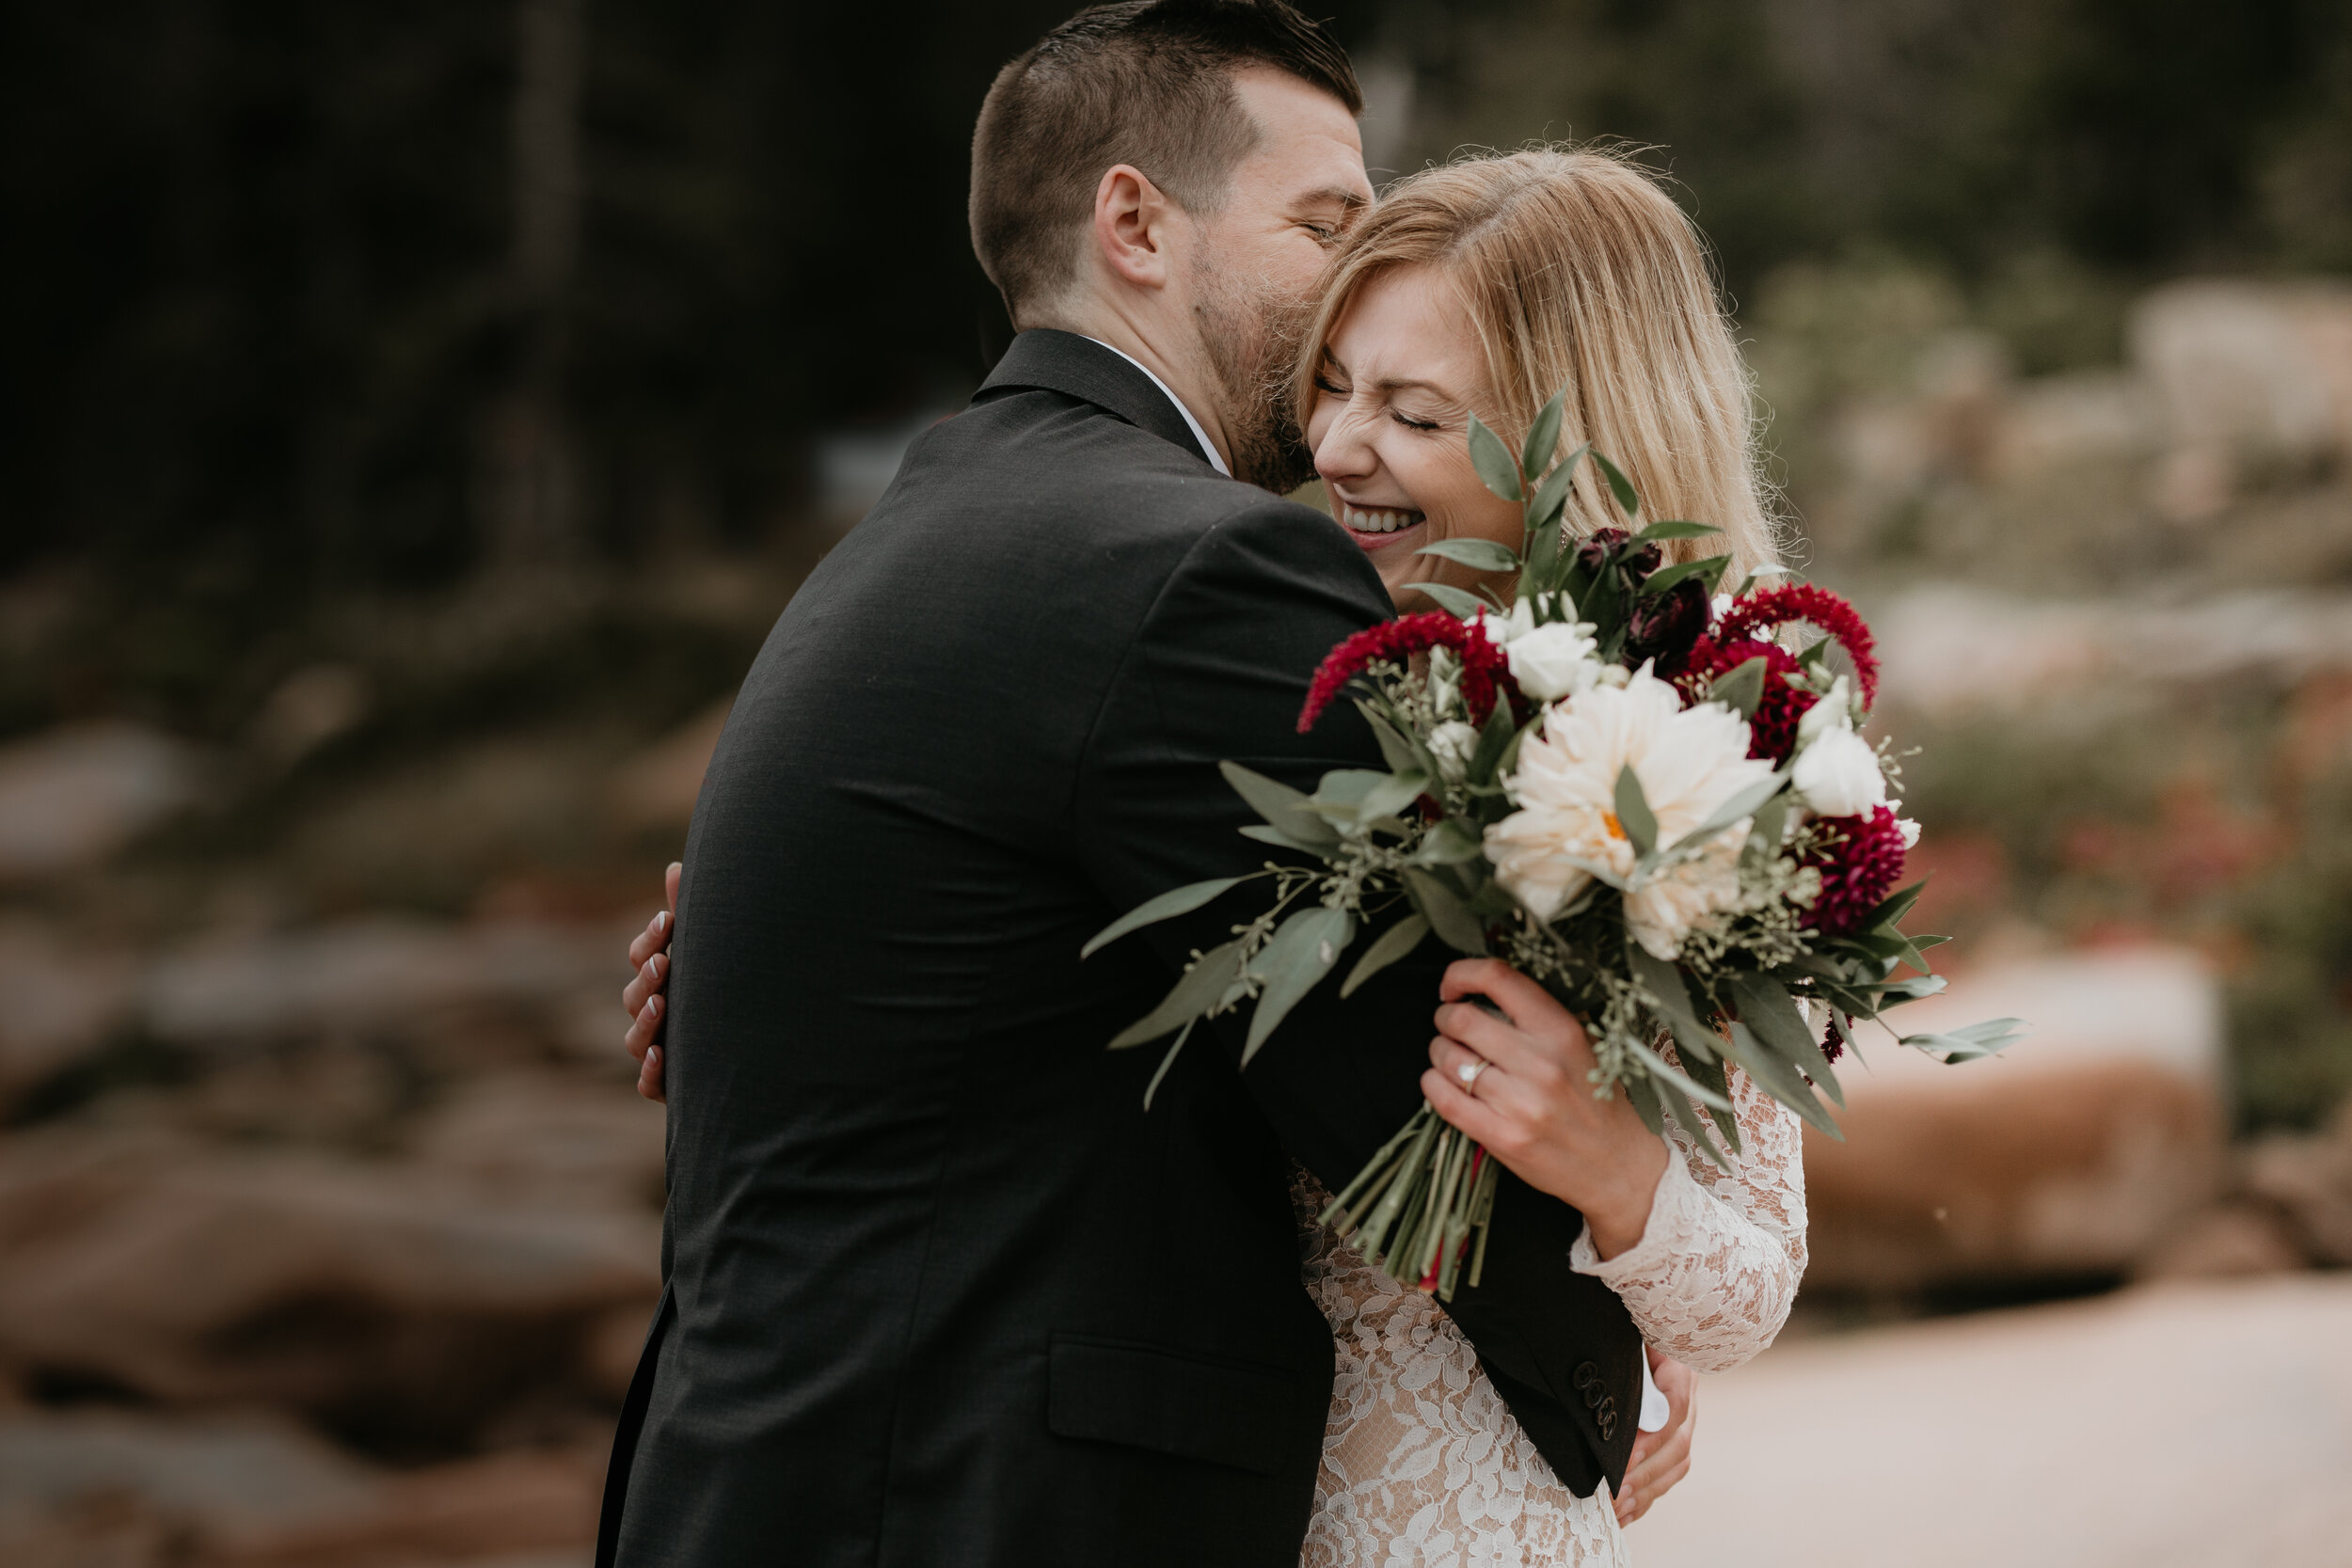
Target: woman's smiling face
<point>1400,377</point>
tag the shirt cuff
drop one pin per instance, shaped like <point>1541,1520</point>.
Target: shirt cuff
<point>1647,1258</point>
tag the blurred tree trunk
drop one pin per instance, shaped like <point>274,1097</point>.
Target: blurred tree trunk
<point>532,481</point>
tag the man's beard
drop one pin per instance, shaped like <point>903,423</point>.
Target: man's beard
<point>1252,335</point>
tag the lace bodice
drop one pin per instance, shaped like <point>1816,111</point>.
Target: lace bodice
<point>1423,1463</point>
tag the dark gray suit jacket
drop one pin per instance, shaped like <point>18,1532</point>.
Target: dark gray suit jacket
<point>941,1291</point>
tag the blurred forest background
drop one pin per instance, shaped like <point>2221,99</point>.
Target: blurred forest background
<point>411,419</point>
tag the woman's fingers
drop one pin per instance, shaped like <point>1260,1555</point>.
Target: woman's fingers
<point>1475,1117</point>
<point>1506,986</point>
<point>649,1077</point>
<point>651,979</point>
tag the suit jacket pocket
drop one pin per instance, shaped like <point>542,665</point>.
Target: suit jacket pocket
<point>1253,1418</point>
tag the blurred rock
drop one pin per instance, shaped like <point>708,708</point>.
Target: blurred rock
<point>2075,1152</point>
<point>657,788</point>
<point>372,973</point>
<point>310,708</point>
<point>70,799</point>
<point>61,1002</point>
<point>2063,421</point>
<point>252,1491</point>
<point>476,1510</point>
<point>2310,1179</point>
<point>544,1138</point>
<point>391,1300</point>
<point>230,1481</point>
<point>1949,648</point>
<point>2228,1241</point>
<point>2251,377</point>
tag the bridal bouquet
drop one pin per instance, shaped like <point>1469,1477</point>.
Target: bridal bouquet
<point>1624,785</point>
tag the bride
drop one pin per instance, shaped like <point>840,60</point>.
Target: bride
<point>1483,287</point>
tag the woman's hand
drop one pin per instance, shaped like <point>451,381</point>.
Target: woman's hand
<point>1532,1104</point>
<point>1660,1458</point>
<point>641,998</point>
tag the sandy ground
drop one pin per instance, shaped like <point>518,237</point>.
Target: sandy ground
<point>2202,1426</point>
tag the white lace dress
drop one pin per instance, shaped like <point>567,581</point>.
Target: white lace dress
<point>1424,1465</point>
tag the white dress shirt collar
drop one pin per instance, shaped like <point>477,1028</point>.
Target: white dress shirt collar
<point>1208,448</point>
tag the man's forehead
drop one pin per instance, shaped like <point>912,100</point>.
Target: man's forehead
<point>1308,148</point>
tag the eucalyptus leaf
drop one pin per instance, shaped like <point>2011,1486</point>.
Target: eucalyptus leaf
<point>1168,905</point>
<point>1633,813</point>
<point>1303,950</point>
<point>1710,571</point>
<point>1450,844</point>
<point>1392,794</point>
<point>1402,756</point>
<point>1779,1078</point>
<point>1553,494</point>
<point>1674,1075</point>
<point>1483,555</point>
<point>1645,1101</point>
<point>1897,905</point>
<point>1674,528</point>
<point>1710,1072</point>
<point>1459,602</point>
<point>1975,1040</point>
<point>1543,435</point>
<point>1622,489</point>
<point>1492,460</point>
<point>1394,943</point>
<point>1492,741</point>
<point>1446,911</point>
<point>1764,831</point>
<point>1732,812</point>
<point>1168,1061</point>
<point>1193,995</point>
<point>1768,1009</point>
<point>1281,840</point>
<point>1282,807</point>
<point>1741,687</point>
<point>1664,981</point>
<point>1668,1085</point>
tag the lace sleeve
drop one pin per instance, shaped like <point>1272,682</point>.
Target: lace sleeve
<point>1716,1269</point>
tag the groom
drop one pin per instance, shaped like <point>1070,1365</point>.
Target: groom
<point>940,1289</point>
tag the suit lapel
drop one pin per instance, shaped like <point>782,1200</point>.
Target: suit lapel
<point>1081,367</point>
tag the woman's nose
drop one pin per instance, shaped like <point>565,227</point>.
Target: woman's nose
<point>1344,452</point>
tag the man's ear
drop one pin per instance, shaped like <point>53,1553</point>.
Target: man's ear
<point>1133,224</point>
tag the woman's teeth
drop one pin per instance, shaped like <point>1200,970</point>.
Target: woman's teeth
<point>1378,521</point>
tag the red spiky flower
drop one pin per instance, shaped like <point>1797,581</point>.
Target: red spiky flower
<point>1772,727</point>
<point>1803,601</point>
<point>1860,859</point>
<point>1483,669</point>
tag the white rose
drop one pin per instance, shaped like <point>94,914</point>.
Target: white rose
<point>1552,662</point>
<point>1719,607</point>
<point>1910,830</point>
<point>1838,775</point>
<point>1452,744</point>
<point>1832,711</point>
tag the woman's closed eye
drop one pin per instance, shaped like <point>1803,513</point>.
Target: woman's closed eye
<point>1409,422</point>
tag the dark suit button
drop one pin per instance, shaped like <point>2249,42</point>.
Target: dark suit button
<point>1593,1396</point>
<point>1587,1376</point>
<point>1608,1426</point>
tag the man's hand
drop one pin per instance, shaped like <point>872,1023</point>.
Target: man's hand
<point>641,998</point>
<point>1660,1458</point>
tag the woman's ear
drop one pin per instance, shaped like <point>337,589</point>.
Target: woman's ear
<point>1132,225</point>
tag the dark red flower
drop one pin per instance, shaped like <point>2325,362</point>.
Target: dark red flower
<point>1663,627</point>
<point>1484,672</point>
<point>1772,727</point>
<point>1803,601</point>
<point>1833,1043</point>
<point>1860,859</point>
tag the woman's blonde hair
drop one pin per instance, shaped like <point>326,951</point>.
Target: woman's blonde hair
<point>1579,271</point>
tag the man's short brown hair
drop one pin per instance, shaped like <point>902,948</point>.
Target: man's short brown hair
<point>1148,82</point>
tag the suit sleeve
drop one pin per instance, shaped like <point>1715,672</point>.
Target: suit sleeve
<point>1219,670</point>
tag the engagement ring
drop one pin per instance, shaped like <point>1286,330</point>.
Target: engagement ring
<point>1468,1072</point>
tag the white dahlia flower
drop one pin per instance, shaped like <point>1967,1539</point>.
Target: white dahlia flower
<point>1690,762</point>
